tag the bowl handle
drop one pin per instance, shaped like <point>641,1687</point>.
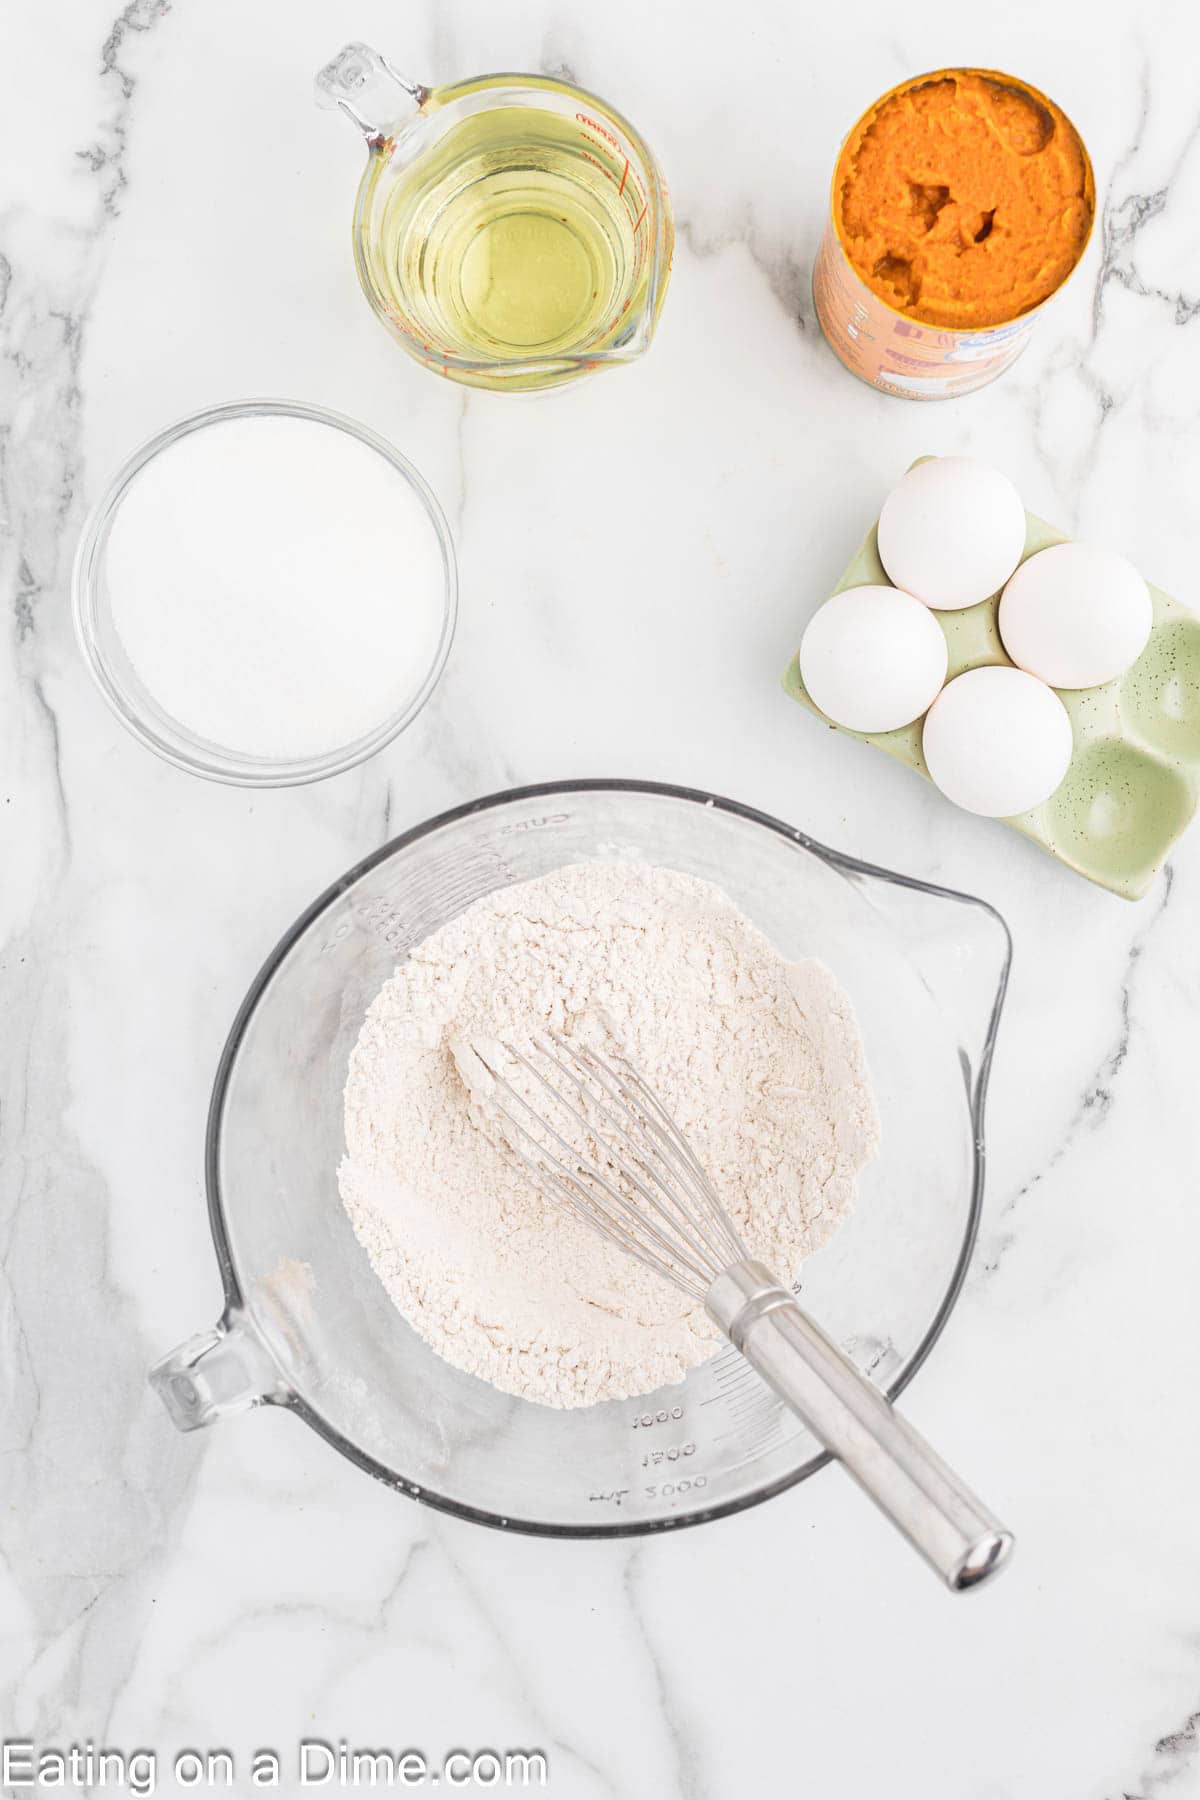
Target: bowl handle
<point>216,1373</point>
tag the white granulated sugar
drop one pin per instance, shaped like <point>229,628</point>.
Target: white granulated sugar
<point>276,584</point>
<point>758,1060</point>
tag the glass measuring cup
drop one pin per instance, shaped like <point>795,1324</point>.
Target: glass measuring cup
<point>513,231</point>
<point>308,1325</point>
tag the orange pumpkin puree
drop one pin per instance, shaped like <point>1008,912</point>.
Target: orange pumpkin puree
<point>963,199</point>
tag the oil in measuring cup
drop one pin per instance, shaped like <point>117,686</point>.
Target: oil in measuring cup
<point>511,240</point>
<point>511,231</point>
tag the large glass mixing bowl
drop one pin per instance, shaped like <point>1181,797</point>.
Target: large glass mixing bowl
<point>307,1325</point>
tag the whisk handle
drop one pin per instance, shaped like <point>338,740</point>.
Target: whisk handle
<point>892,1463</point>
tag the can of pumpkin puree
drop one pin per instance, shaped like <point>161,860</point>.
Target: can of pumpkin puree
<point>961,202</point>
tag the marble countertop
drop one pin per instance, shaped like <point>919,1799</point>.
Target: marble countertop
<point>174,232</point>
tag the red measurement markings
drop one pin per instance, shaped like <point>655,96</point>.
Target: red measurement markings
<point>597,164</point>
<point>583,119</point>
<point>624,178</point>
<point>431,348</point>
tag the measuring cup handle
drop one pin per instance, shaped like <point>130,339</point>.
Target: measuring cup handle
<point>216,1373</point>
<point>363,85</point>
<point>891,1462</point>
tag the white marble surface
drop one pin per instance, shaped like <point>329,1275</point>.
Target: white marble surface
<point>173,233</point>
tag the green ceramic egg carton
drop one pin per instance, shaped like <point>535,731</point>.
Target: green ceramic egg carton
<point>1133,783</point>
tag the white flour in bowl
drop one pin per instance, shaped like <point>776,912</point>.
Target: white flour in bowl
<point>758,1060</point>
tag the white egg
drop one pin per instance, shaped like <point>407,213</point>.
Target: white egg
<point>873,658</point>
<point>997,741</point>
<point>952,532</point>
<point>1075,615</point>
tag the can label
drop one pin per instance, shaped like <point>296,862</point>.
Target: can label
<point>899,355</point>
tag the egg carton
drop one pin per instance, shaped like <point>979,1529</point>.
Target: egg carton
<point>1133,783</point>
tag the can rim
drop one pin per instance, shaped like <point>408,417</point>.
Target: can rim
<point>909,83</point>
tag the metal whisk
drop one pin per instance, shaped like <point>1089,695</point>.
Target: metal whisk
<point>594,1138</point>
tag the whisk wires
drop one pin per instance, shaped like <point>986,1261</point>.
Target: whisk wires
<point>594,1137</point>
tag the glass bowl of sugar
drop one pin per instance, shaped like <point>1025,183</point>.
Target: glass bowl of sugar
<point>266,594</point>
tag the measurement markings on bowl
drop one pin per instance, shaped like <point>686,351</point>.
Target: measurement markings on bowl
<point>754,1412</point>
<point>523,825</point>
<point>658,1455</point>
<point>663,1416</point>
<point>663,1490</point>
<point>873,1356</point>
<point>672,1453</point>
<point>450,890</point>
